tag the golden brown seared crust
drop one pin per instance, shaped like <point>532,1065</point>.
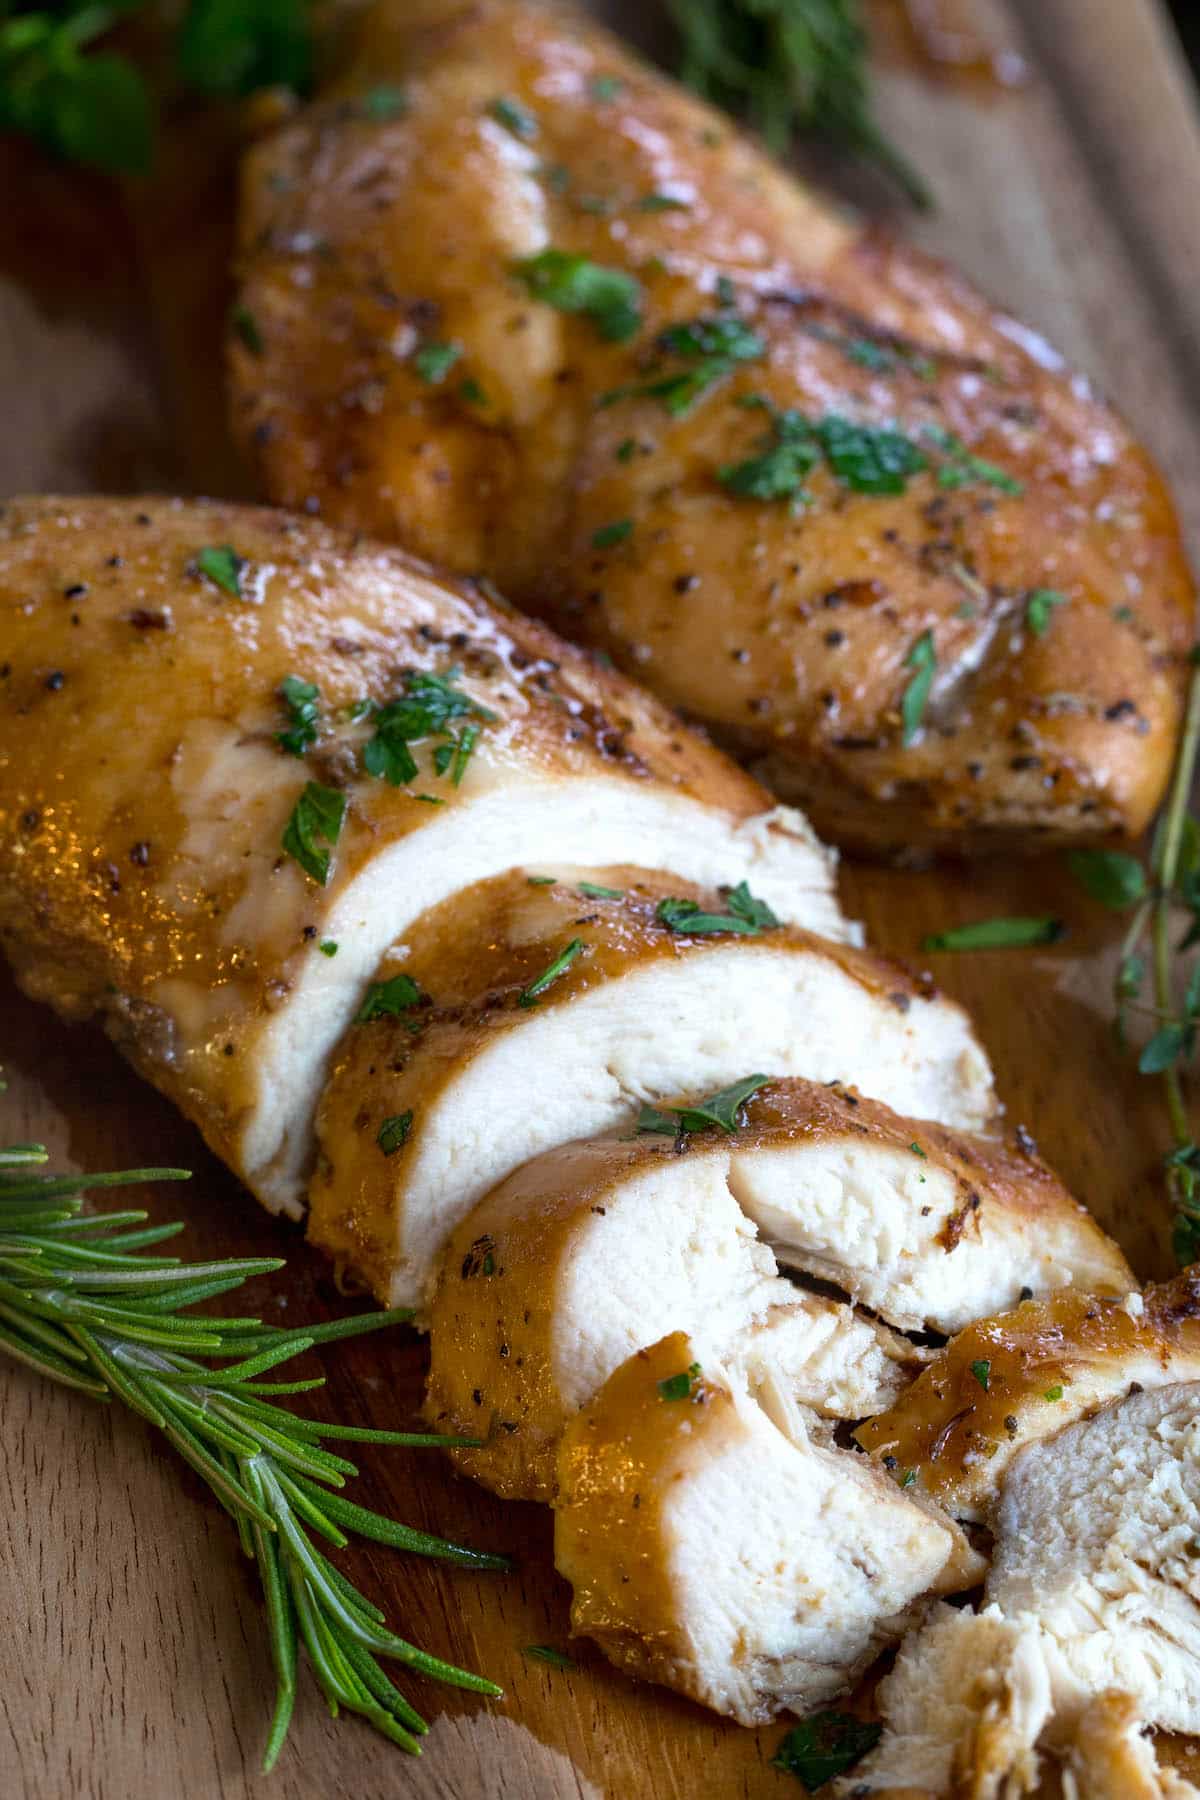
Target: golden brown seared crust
<point>144,793</point>
<point>788,631</point>
<point>474,958</point>
<point>1006,1381</point>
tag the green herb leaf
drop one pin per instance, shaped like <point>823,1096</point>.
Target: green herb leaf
<point>515,118</point>
<point>997,934</point>
<point>394,1132</point>
<point>824,1746</point>
<point>388,999</point>
<point>302,700</point>
<point>235,46</point>
<point>1110,876</point>
<point>923,659</point>
<point>547,1654</point>
<point>982,1371</point>
<point>871,459</point>
<point>433,362</point>
<point>247,329</point>
<point>595,892</point>
<point>747,915</point>
<point>425,709</point>
<point>961,467</point>
<point>1053,1393</point>
<point>222,565</point>
<point>1039,606</point>
<point>721,1110</point>
<point>1166,1047</point>
<point>314,829</point>
<point>608,297</point>
<point>562,962</point>
<point>328,947</point>
<point>679,1387</point>
<point>383,103</point>
<point>605,87</point>
<point>607,536</point>
<point>656,203</point>
<point>713,346</point>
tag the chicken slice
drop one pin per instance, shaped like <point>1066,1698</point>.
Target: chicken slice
<point>1005,1382</point>
<point>146,791</point>
<point>709,1551</point>
<point>549,316</point>
<point>1091,1627</point>
<point>552,1013</point>
<point>928,1227</point>
<point>593,1251</point>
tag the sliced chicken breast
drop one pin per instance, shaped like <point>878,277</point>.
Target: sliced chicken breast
<point>708,1551</point>
<point>1091,1626</point>
<point>518,301</point>
<point>548,1013</point>
<point>1005,1382</point>
<point>241,753</point>
<point>597,1249</point>
<point>926,1226</point>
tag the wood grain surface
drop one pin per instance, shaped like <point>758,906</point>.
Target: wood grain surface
<point>133,1663</point>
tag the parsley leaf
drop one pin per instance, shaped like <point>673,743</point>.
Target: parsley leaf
<point>656,203</point>
<point>394,1132</point>
<point>514,117</point>
<point>609,297</point>
<point>562,962</point>
<point>607,536</point>
<point>720,1110</point>
<point>961,467</point>
<point>234,46</point>
<point>997,934</point>
<point>302,699</point>
<point>746,917</point>
<point>982,1371</point>
<point>314,828</point>
<point>1039,606</point>
<point>388,999</point>
<point>595,892</point>
<point>223,566</point>
<point>713,345</point>
<point>871,459</point>
<point>384,102</point>
<point>548,1654</point>
<point>92,108</point>
<point>425,709</point>
<point>921,658</point>
<point>246,327</point>
<point>433,362</point>
<point>679,1387</point>
<point>328,947</point>
<point>825,1745</point>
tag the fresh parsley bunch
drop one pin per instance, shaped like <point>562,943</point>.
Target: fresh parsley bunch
<point>68,81</point>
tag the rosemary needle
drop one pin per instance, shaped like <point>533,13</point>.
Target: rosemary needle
<point>82,1302</point>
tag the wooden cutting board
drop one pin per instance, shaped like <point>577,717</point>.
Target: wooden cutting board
<point>133,1664</point>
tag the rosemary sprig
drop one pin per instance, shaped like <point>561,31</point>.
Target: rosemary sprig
<point>790,65</point>
<point>1121,882</point>
<point>82,1302</point>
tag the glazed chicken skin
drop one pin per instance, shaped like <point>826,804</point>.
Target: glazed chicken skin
<point>240,754</point>
<point>514,299</point>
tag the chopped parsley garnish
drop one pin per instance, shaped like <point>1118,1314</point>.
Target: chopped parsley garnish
<point>388,999</point>
<point>997,934</point>
<point>540,880</point>
<point>595,892</point>
<point>394,1132</point>
<point>480,1258</point>
<point>655,203</point>
<point>433,362</point>
<point>712,346</point>
<point>746,917</point>
<point>470,391</point>
<point>825,1745</point>
<point>247,329</point>
<point>1039,606</point>
<point>328,947</point>
<point>314,829</point>
<point>720,1111</point>
<point>909,1478</point>
<point>982,1371</point>
<point>917,1151</point>
<point>384,102</point>
<point>425,709</point>
<point>546,1653</point>
<point>625,450</point>
<point>302,700</point>
<point>222,565</point>
<point>608,297</point>
<point>679,1387</point>
<point>605,87</point>
<point>1113,877</point>
<point>1053,1393</point>
<point>922,659</point>
<point>961,467</point>
<point>871,459</point>
<point>562,962</point>
<point>514,117</point>
<point>609,535</point>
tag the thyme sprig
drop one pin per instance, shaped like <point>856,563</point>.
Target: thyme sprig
<point>1153,897</point>
<point>82,1302</point>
